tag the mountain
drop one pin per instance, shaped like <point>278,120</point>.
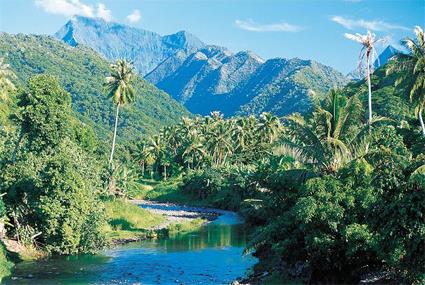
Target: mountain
<point>112,40</point>
<point>214,78</point>
<point>206,78</point>
<point>388,53</point>
<point>82,71</point>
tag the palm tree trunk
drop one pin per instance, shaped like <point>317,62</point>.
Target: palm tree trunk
<point>421,120</point>
<point>115,133</point>
<point>369,85</point>
<point>165,172</point>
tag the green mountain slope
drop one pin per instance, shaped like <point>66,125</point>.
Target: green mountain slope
<point>81,71</point>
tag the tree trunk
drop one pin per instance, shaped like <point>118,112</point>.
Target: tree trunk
<point>165,172</point>
<point>115,134</point>
<point>143,168</point>
<point>421,120</point>
<point>369,85</point>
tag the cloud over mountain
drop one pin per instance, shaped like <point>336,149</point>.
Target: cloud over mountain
<point>70,8</point>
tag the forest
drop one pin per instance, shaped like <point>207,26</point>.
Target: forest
<point>328,196</point>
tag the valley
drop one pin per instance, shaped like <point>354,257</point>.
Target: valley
<point>133,152</point>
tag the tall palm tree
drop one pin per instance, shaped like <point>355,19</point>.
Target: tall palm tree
<point>411,68</point>
<point>366,59</point>
<point>5,83</point>
<point>119,85</point>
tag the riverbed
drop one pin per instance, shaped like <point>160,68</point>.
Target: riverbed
<point>212,254</point>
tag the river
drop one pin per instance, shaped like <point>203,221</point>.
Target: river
<point>211,255</point>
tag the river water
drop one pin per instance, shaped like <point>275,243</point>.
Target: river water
<point>211,255</point>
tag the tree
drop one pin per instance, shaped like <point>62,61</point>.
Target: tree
<point>44,113</point>
<point>119,84</point>
<point>269,126</point>
<point>411,70</point>
<point>51,186</point>
<point>366,59</point>
<point>326,141</point>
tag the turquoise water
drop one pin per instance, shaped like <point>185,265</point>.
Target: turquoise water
<point>211,255</point>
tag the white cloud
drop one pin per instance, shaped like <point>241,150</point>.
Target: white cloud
<point>134,17</point>
<point>66,7</point>
<point>252,26</point>
<point>103,12</point>
<point>70,8</point>
<point>375,25</point>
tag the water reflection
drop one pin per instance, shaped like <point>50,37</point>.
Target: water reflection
<point>211,255</point>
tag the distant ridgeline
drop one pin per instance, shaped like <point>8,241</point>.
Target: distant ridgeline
<point>81,72</point>
<point>206,78</point>
<point>388,53</point>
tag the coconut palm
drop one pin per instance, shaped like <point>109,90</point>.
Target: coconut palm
<point>411,70</point>
<point>327,141</point>
<point>366,59</point>
<point>119,85</point>
<point>269,126</point>
<point>218,138</point>
<point>194,154</point>
<point>5,83</point>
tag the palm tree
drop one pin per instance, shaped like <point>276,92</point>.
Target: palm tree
<point>119,85</point>
<point>5,75</point>
<point>194,154</point>
<point>411,69</point>
<point>326,142</point>
<point>366,59</point>
<point>269,126</point>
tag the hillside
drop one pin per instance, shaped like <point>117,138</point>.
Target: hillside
<point>146,49</point>
<point>81,71</point>
<point>214,78</point>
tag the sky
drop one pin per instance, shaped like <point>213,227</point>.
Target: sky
<point>307,29</point>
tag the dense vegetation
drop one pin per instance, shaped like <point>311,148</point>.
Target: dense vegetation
<point>54,176</point>
<point>332,196</point>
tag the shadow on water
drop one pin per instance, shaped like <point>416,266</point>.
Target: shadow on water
<point>210,255</point>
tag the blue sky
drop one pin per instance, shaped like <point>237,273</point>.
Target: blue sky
<point>308,29</point>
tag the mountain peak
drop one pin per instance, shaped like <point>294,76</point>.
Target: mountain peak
<point>184,40</point>
<point>388,53</point>
<point>113,40</point>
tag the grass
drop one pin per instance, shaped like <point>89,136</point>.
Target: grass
<point>185,227</point>
<point>170,191</point>
<point>129,221</point>
<point>5,265</point>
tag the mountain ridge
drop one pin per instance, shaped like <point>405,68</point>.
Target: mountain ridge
<point>204,77</point>
<point>113,40</point>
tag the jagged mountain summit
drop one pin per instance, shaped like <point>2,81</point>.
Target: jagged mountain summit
<point>214,78</point>
<point>112,40</point>
<point>208,78</point>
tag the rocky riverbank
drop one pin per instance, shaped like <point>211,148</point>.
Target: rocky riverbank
<point>175,213</point>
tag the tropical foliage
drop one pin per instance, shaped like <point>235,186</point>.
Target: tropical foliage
<point>333,195</point>
<point>330,195</point>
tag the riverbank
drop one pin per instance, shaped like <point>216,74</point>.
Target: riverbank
<point>135,220</point>
<point>211,254</point>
